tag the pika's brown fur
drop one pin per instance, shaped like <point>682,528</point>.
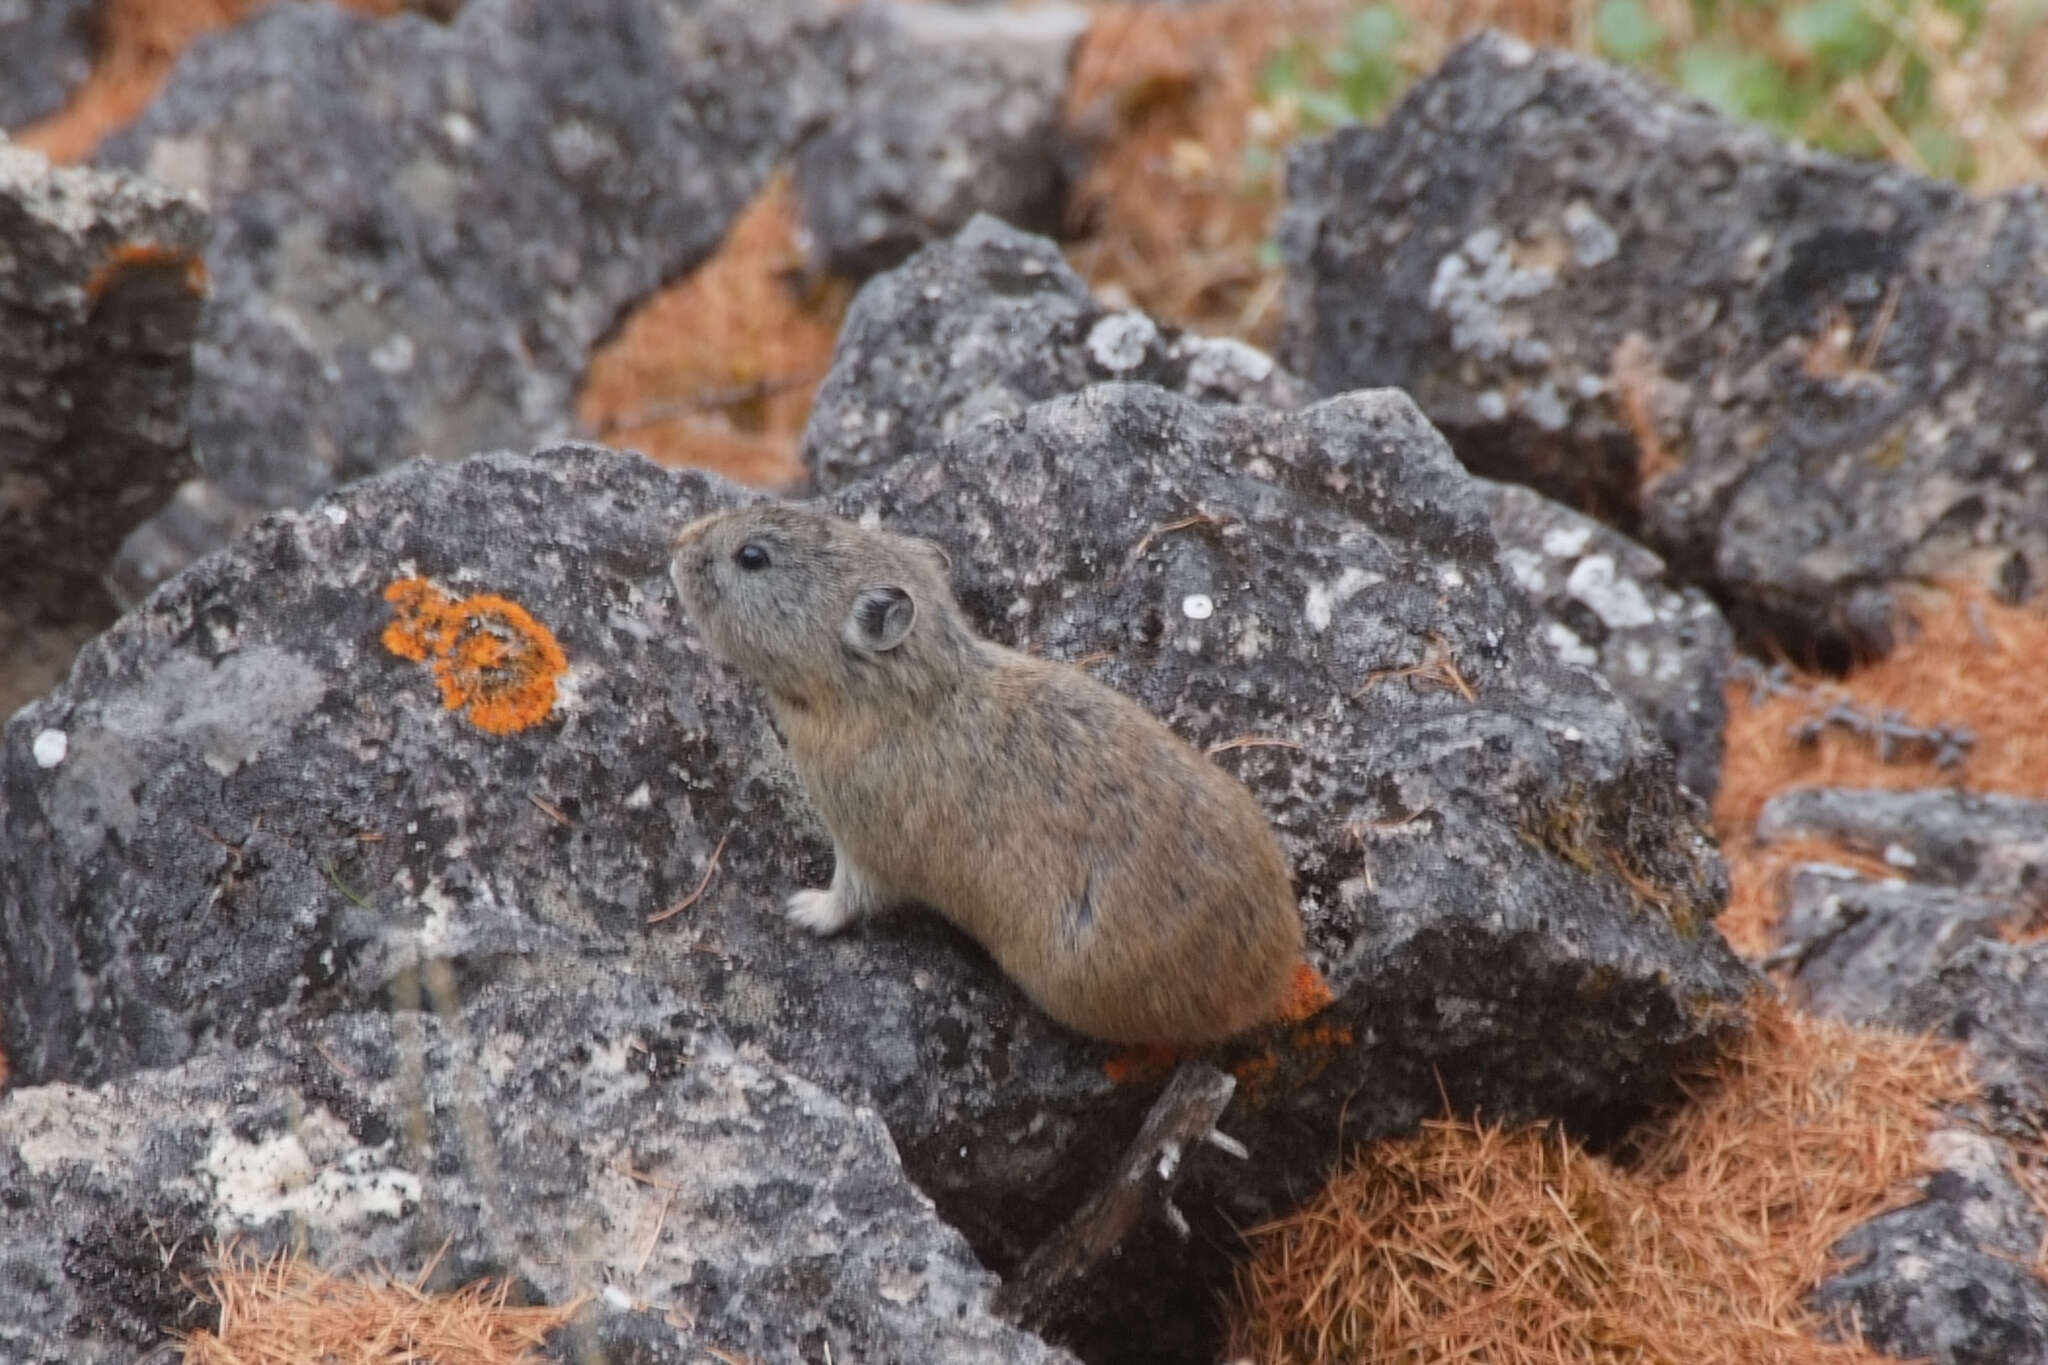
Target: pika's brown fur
<point>1132,888</point>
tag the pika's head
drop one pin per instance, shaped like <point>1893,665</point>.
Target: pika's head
<point>814,607</point>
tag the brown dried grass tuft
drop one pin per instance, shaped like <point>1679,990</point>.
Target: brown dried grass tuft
<point>1474,1242</point>
<point>718,370</point>
<point>284,1311</point>
<point>1962,657</point>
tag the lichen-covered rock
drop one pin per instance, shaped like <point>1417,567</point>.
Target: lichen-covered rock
<point>421,231</point>
<point>453,715</point>
<point>45,49</point>
<point>1992,997</point>
<point>949,111</point>
<point>603,1141</point>
<point>1984,842</point>
<point>1950,1279</point>
<point>100,286</point>
<point>1804,378</point>
<point>983,325</point>
<point>1609,606</point>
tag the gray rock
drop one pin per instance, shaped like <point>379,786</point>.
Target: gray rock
<point>421,231</point>
<point>1992,997</point>
<point>242,809</point>
<point>46,48</point>
<point>949,112</point>
<point>1992,845</point>
<point>1858,946</point>
<point>983,325</point>
<point>100,286</point>
<point>602,1140</point>
<point>1950,1279</point>
<point>1610,606</point>
<point>1554,256</point>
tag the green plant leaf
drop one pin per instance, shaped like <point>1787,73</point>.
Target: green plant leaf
<point>1839,34</point>
<point>1377,30</point>
<point>1625,31</point>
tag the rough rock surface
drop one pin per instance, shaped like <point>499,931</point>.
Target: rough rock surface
<point>1992,997</point>
<point>420,231</point>
<point>1950,1279</point>
<point>985,324</point>
<point>603,1142</point>
<point>100,292</point>
<point>1609,606</point>
<point>46,48</point>
<point>1986,843</point>
<point>244,809</point>
<point>993,319</point>
<point>949,111</point>
<point>1606,291</point>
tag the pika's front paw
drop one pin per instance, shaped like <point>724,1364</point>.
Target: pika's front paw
<point>821,912</point>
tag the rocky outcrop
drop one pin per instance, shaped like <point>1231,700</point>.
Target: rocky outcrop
<point>602,1143</point>
<point>100,288</point>
<point>950,110</point>
<point>1685,326</point>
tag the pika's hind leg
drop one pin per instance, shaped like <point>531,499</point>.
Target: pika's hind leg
<point>852,894</point>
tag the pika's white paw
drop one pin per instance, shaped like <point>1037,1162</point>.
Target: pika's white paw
<point>818,911</point>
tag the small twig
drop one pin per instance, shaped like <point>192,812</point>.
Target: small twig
<point>1885,312</point>
<point>1437,666</point>
<point>1224,746</point>
<point>691,899</point>
<point>356,897</point>
<point>1194,519</point>
<point>660,1220</point>
<point>551,810</point>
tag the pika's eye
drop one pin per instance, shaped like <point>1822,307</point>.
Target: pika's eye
<point>751,557</point>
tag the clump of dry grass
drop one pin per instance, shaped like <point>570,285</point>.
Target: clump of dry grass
<point>1475,1242</point>
<point>1962,658</point>
<point>285,1311</point>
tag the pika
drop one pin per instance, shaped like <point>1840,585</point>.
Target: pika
<point>1132,889</point>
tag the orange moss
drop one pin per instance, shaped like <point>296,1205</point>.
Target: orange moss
<point>1254,1072</point>
<point>1307,994</point>
<point>719,370</point>
<point>490,658</point>
<point>1474,1242</point>
<point>1962,658</point>
<point>1141,1064</point>
<point>131,258</point>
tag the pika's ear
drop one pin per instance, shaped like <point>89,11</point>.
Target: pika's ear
<point>881,617</point>
<point>937,553</point>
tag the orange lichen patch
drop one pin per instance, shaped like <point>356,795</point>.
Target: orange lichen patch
<point>1143,1063</point>
<point>1962,658</point>
<point>719,371</point>
<point>490,658</point>
<point>1474,1242</point>
<point>284,1309</point>
<point>132,258</point>
<point>1254,1072</point>
<point>1307,994</point>
<point>138,42</point>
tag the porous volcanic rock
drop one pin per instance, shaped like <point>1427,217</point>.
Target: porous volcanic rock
<point>950,110</point>
<point>1801,378</point>
<point>604,1143</point>
<point>421,230</point>
<point>46,49</point>
<point>100,288</point>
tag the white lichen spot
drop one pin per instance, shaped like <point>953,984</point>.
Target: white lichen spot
<point>1198,606</point>
<point>1566,542</point>
<point>1450,576</point>
<point>49,747</point>
<point>1636,658</point>
<point>1898,855</point>
<point>1589,386</point>
<point>1251,640</point>
<point>1259,467</point>
<point>1324,598</point>
<point>640,798</point>
<point>1615,600</point>
<point>1542,406</point>
<point>394,356</point>
<point>335,513</point>
<point>1594,243</point>
<point>1526,566</point>
<point>1119,342</point>
<point>617,1299</point>
<point>1492,404</point>
<point>459,129</point>
<point>1566,644</point>
<point>255,1182</point>
<point>1226,365</point>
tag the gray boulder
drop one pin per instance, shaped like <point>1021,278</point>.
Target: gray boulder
<point>421,231</point>
<point>1992,997</point>
<point>603,1141</point>
<point>949,111</point>
<point>1950,1279</point>
<point>1682,325</point>
<point>101,286</point>
<point>1987,843</point>
<point>46,49</point>
<point>244,809</point>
